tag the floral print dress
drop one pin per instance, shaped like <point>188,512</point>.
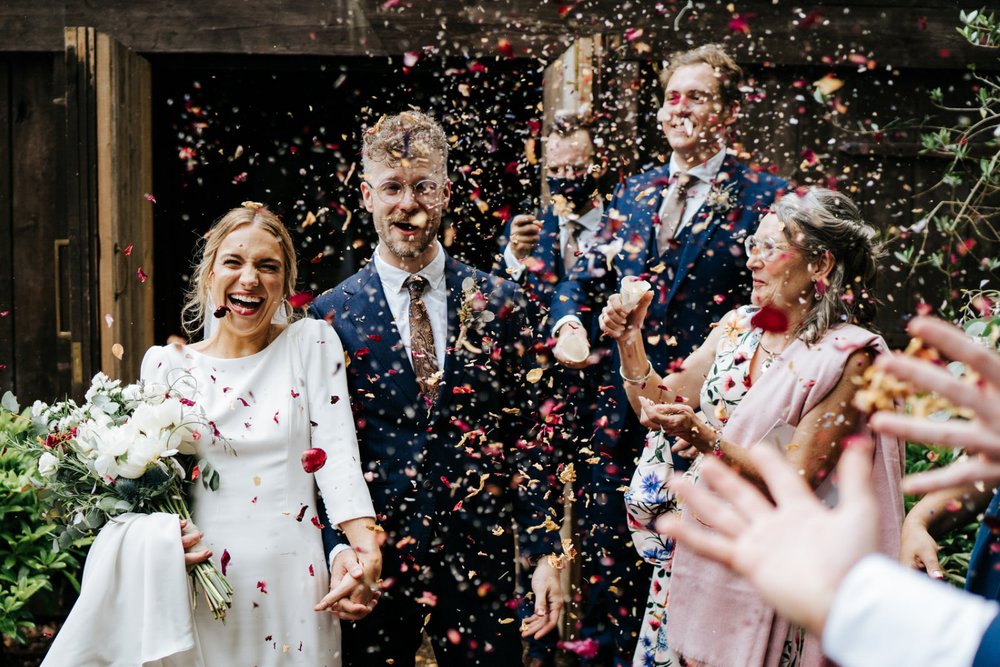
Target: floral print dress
<point>648,498</point>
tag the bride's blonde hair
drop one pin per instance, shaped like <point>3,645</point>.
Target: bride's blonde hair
<point>250,213</point>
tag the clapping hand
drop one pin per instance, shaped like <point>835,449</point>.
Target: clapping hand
<point>795,552</point>
<point>677,420</point>
<point>979,436</point>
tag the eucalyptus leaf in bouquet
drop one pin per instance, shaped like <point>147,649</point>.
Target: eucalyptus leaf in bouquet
<point>128,448</point>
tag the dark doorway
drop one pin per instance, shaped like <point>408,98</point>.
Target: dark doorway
<point>286,131</point>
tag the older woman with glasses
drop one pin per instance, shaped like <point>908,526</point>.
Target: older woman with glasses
<point>778,373</point>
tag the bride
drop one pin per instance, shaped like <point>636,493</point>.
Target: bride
<point>272,391</point>
<point>278,393</point>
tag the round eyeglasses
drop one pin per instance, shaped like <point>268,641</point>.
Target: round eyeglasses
<point>767,248</point>
<point>568,170</point>
<point>427,192</point>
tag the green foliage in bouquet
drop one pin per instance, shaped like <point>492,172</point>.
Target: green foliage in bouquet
<point>127,448</point>
<point>29,562</point>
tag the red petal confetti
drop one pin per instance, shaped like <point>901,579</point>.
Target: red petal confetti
<point>243,401</point>
<point>463,390</point>
<point>300,299</point>
<point>770,319</point>
<point>924,308</point>
<point>315,522</point>
<point>4,313</point>
<point>220,312</point>
<point>457,506</point>
<point>149,197</point>
<point>585,648</point>
<point>275,418</point>
<point>505,47</point>
<point>141,274</point>
<point>224,561</point>
<point>312,572</point>
<point>262,586</point>
<point>295,394</point>
<point>334,400</point>
<point>195,473</point>
<point>313,459</point>
<point>302,513</point>
<point>128,250</point>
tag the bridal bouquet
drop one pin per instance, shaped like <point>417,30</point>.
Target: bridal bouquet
<point>126,449</point>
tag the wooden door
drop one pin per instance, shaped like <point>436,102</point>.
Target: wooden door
<point>110,214</point>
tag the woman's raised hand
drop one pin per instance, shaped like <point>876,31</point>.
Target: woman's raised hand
<point>619,323</point>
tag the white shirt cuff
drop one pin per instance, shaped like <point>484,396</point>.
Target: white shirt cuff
<point>884,614</point>
<point>335,551</point>
<point>565,319</point>
<point>514,266</point>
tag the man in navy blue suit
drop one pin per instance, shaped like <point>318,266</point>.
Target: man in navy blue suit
<point>437,355</point>
<point>537,252</point>
<point>679,226</point>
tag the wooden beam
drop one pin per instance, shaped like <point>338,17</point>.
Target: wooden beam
<point>8,357</point>
<point>896,33</point>
<point>125,214</point>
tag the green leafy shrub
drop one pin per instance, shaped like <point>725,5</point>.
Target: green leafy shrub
<point>30,563</point>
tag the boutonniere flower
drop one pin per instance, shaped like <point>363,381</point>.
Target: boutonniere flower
<point>473,314</point>
<point>722,197</point>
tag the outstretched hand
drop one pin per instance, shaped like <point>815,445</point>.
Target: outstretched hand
<point>795,553</point>
<point>548,601</point>
<point>980,435</point>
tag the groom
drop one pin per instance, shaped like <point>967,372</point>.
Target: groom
<point>437,355</point>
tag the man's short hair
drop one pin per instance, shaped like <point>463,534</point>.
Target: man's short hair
<point>405,136</point>
<point>566,123</point>
<point>730,75</point>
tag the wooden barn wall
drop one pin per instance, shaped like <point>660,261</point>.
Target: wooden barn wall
<point>32,355</point>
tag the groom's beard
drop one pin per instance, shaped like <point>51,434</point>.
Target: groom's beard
<point>412,245</point>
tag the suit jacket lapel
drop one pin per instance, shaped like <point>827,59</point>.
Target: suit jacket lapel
<point>706,222</point>
<point>371,316</point>
<point>455,273</point>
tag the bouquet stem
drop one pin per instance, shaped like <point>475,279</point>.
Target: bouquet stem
<point>218,592</point>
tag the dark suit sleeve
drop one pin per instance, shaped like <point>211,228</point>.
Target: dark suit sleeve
<point>988,654</point>
<point>582,290</point>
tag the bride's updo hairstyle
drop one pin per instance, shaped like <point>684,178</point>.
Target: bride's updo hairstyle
<point>250,213</point>
<point>817,221</point>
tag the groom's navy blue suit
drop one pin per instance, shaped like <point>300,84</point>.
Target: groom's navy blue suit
<point>447,481</point>
<point>695,281</point>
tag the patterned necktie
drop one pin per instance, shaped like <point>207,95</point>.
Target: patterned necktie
<point>572,244</point>
<point>672,212</point>
<point>422,339</point>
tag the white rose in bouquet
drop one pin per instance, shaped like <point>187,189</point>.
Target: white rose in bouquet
<point>632,290</point>
<point>48,465</point>
<point>112,443</point>
<point>142,453</point>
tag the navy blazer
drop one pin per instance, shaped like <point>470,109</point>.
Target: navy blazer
<point>538,281</point>
<point>445,476</point>
<point>710,278</point>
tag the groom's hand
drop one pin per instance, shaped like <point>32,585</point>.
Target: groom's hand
<point>548,601</point>
<point>352,594</point>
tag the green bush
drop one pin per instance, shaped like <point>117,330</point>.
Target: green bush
<point>29,561</point>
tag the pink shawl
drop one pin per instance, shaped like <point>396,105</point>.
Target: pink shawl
<point>716,617</point>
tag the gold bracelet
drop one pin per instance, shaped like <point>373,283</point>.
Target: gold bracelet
<point>641,380</point>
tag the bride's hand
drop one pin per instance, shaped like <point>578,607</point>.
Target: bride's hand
<point>353,589</point>
<point>194,551</point>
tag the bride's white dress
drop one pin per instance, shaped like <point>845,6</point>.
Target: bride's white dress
<point>261,522</point>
